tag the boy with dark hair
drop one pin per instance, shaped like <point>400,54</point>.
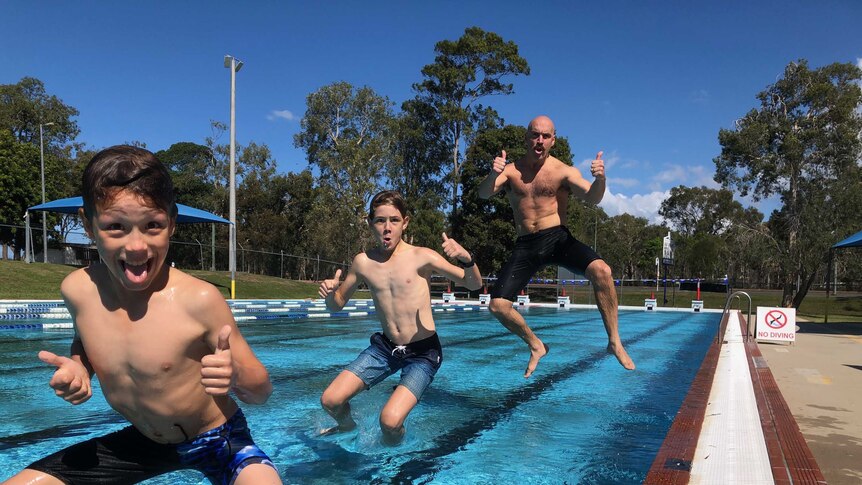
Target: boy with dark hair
<point>163,344</point>
<point>398,275</point>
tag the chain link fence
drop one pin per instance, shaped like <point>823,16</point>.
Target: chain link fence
<point>190,255</point>
<point>208,256</point>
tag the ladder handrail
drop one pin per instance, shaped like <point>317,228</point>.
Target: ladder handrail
<point>748,322</point>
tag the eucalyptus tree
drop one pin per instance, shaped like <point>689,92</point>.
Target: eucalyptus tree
<point>25,105</point>
<point>624,245</point>
<point>197,184</point>
<point>346,134</point>
<point>706,221</point>
<point>19,186</point>
<point>415,170</point>
<point>464,71</point>
<point>802,144</point>
<point>701,210</point>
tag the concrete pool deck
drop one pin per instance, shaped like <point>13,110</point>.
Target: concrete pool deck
<point>763,413</point>
<point>820,377</point>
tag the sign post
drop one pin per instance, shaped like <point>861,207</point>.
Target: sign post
<point>666,259</point>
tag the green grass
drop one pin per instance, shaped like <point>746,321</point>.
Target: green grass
<point>40,281</point>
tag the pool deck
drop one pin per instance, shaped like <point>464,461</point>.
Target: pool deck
<point>763,413</point>
<point>819,377</point>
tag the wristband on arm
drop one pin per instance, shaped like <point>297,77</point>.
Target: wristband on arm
<point>468,264</point>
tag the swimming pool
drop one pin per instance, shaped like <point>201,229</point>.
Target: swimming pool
<point>581,418</point>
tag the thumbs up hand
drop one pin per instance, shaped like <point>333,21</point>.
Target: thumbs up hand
<point>217,375</point>
<point>597,167</point>
<point>499,163</point>
<point>71,381</point>
<point>455,250</point>
<point>328,286</point>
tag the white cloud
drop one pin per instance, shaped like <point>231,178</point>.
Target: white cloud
<point>689,175</point>
<point>638,205</point>
<point>701,96</point>
<point>622,182</point>
<point>610,159</point>
<point>283,114</point>
<point>673,175</point>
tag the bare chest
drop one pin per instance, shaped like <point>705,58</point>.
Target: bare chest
<point>152,348</point>
<point>542,185</point>
<point>395,278</point>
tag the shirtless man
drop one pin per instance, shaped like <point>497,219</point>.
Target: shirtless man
<point>398,275</point>
<point>163,344</point>
<point>538,186</point>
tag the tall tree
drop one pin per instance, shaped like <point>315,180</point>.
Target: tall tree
<point>803,145</point>
<point>624,245</point>
<point>19,184</point>
<point>346,134</point>
<point>25,105</point>
<point>463,72</point>
<point>415,170</point>
<point>693,210</point>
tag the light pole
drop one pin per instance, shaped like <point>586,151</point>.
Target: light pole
<point>44,215</point>
<point>234,65</point>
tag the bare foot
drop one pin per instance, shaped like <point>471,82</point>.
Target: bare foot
<point>535,355</point>
<point>620,353</point>
<point>337,429</point>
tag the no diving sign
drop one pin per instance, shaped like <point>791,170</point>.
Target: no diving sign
<point>776,324</point>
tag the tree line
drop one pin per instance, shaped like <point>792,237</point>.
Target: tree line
<point>801,144</point>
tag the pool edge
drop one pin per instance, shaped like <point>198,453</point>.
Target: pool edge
<point>790,459</point>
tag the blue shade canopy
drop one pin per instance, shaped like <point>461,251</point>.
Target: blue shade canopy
<point>854,240</point>
<point>185,214</point>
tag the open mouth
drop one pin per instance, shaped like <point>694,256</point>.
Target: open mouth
<point>136,272</point>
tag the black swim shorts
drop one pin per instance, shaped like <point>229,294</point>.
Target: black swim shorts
<point>554,245</point>
<point>127,456</point>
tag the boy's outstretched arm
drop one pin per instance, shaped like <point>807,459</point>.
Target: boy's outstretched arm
<point>232,365</point>
<point>335,292</point>
<point>71,379</point>
<point>468,274</point>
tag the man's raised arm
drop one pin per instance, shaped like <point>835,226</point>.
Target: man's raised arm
<point>495,180</point>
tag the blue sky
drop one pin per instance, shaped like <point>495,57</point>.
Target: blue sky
<point>649,83</point>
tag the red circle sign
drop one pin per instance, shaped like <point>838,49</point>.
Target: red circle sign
<point>776,319</point>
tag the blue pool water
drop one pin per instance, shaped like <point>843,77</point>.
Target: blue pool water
<point>581,418</point>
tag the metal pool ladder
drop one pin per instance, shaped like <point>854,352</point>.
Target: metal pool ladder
<point>722,327</point>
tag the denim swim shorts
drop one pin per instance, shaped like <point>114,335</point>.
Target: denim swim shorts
<point>418,361</point>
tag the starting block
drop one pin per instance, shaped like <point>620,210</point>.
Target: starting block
<point>563,301</point>
<point>696,305</point>
<point>484,298</point>
<point>523,300</point>
<point>649,304</point>
<point>448,297</point>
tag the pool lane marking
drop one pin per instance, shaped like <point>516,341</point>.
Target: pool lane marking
<point>453,441</point>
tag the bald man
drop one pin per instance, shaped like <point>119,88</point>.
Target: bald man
<point>538,186</point>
